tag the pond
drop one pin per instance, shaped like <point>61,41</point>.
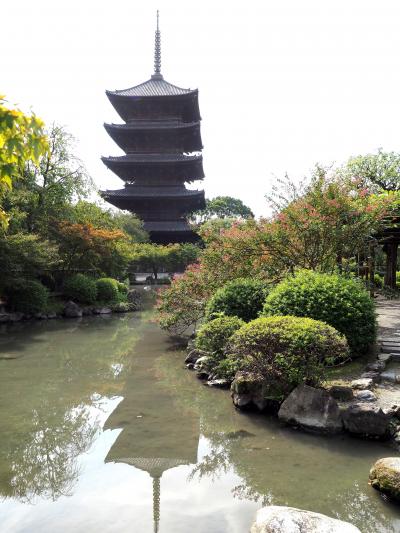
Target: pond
<point>103,429</point>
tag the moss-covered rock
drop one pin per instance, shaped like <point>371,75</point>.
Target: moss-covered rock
<point>385,476</point>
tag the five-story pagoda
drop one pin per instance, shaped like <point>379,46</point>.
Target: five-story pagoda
<point>162,142</point>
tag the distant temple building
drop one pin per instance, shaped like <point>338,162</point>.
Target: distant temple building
<point>162,142</point>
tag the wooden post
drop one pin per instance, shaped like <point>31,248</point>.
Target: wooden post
<point>391,264</point>
<point>371,269</point>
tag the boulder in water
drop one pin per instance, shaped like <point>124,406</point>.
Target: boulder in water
<point>72,310</point>
<point>248,391</point>
<point>277,519</point>
<point>312,409</point>
<point>366,420</point>
<point>385,476</point>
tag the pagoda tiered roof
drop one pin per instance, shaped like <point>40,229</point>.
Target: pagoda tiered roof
<point>131,167</point>
<point>155,86</point>
<point>162,135</point>
<point>161,139</point>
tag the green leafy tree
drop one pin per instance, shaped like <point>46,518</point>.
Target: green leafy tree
<point>375,172</point>
<point>223,207</point>
<point>23,255</point>
<point>22,139</point>
<point>44,191</point>
<point>153,257</point>
<point>84,212</point>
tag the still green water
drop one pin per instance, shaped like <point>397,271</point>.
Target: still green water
<point>103,430</point>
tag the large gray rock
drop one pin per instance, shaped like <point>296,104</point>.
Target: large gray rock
<point>72,310</point>
<point>366,420</point>
<point>385,476</point>
<point>277,519</point>
<point>312,409</point>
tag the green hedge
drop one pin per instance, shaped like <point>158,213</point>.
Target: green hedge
<point>81,289</point>
<point>108,289</point>
<point>286,351</point>
<point>242,297</point>
<point>27,296</point>
<point>213,336</point>
<point>341,302</point>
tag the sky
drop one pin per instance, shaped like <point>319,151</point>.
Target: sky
<point>283,85</point>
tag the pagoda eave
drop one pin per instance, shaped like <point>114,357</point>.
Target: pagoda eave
<point>164,136</point>
<point>130,168</point>
<point>179,106</point>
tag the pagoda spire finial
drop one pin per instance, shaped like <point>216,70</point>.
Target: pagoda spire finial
<point>157,49</point>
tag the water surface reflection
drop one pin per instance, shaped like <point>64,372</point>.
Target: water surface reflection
<point>103,429</point>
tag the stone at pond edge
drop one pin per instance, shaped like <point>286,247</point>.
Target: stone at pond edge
<point>203,367</point>
<point>219,383</point>
<point>362,384</point>
<point>366,420</point>
<point>248,390</point>
<point>385,476</point>
<point>341,393</point>
<point>101,311</point>
<point>72,310</point>
<point>312,409</point>
<point>365,396</point>
<point>279,519</point>
<point>194,354</point>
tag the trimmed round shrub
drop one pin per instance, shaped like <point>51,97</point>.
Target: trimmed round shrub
<point>242,297</point>
<point>213,336</point>
<point>286,351</point>
<point>81,289</point>
<point>107,289</point>
<point>122,288</point>
<point>340,302</point>
<point>27,296</point>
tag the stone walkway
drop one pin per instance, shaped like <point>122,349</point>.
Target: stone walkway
<point>388,389</point>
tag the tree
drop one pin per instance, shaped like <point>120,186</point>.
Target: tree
<point>22,139</point>
<point>376,172</point>
<point>44,191</point>
<point>332,220</point>
<point>223,207</point>
<point>84,247</point>
<point>23,255</point>
<point>153,257</point>
<point>84,212</point>
<point>131,225</point>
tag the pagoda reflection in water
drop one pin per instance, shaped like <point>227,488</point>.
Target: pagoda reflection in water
<point>152,439</point>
